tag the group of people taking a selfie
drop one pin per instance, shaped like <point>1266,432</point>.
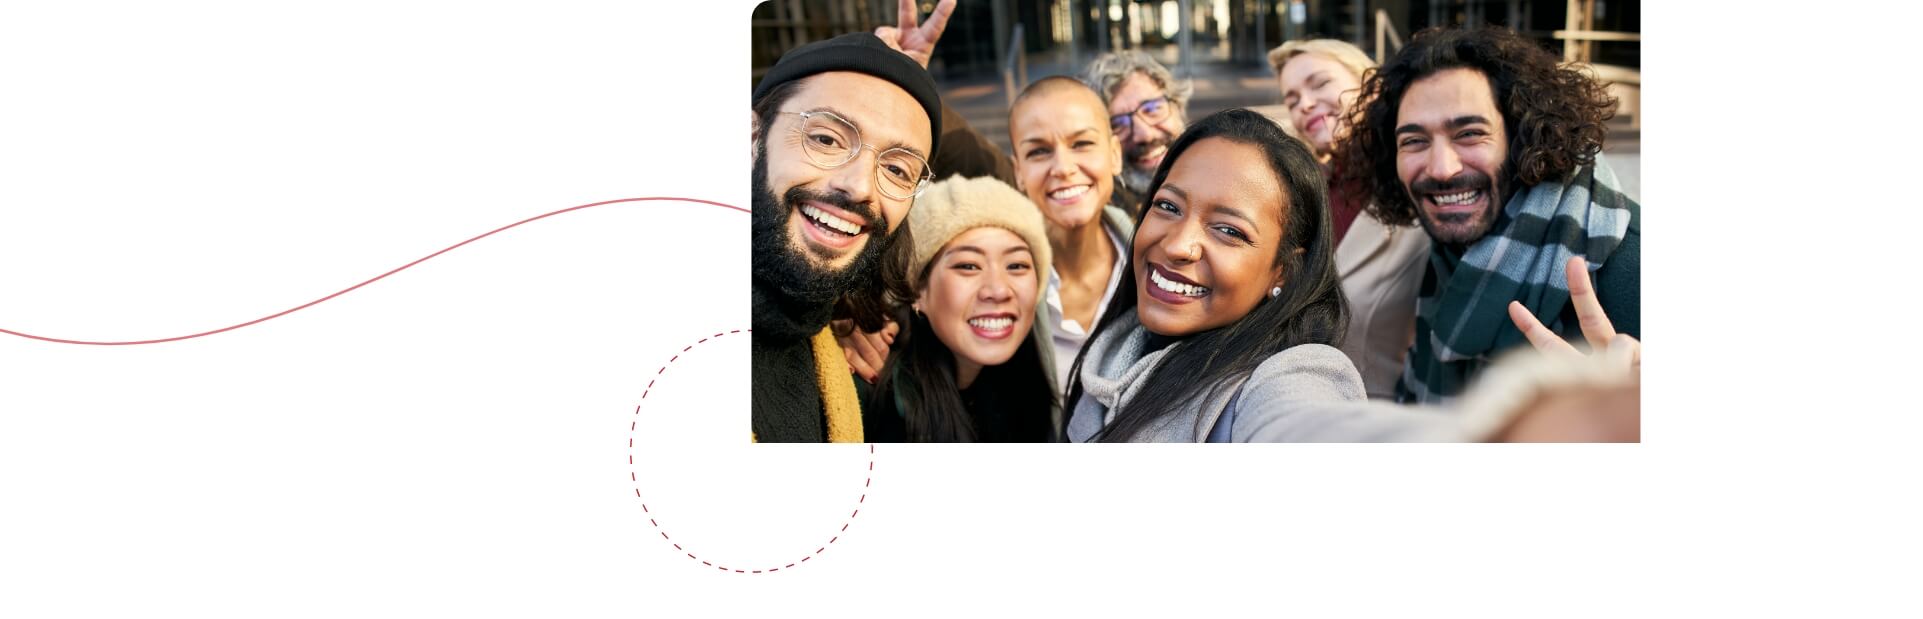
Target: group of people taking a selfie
<point>1428,250</point>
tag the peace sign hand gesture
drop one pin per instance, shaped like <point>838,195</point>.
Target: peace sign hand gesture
<point>1621,349</point>
<point>917,41</point>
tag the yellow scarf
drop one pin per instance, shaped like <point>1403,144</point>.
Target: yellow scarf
<point>842,407</point>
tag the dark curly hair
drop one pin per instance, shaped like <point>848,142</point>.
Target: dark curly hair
<point>1553,114</point>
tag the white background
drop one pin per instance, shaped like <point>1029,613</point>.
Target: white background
<point>453,440</point>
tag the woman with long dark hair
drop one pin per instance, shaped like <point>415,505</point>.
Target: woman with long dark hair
<point>1228,331</point>
<point>972,363</point>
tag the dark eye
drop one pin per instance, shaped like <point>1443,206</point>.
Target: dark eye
<point>1019,266</point>
<point>1471,133</point>
<point>896,171</point>
<point>1084,144</point>
<point>1412,143</point>
<point>1035,153</point>
<point>966,266</point>
<point>1232,231</point>
<point>826,139</point>
<point>1166,207</point>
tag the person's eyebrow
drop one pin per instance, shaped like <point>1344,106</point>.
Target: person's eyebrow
<point>968,248</point>
<point>857,126</point>
<point>1176,190</point>
<point>1466,120</point>
<point>1018,248</point>
<point>1232,212</point>
<point>1072,134</point>
<point>904,146</point>
<point>1453,123</point>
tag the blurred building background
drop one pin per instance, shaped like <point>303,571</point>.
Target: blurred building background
<point>994,47</point>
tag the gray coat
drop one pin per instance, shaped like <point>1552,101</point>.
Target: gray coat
<point>1307,393</point>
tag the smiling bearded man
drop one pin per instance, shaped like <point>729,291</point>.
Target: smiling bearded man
<point>842,133</point>
<point>1495,148</point>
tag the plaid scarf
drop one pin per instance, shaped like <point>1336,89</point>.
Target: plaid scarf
<point>1462,315</point>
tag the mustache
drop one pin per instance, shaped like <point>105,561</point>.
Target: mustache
<point>1134,150</point>
<point>796,195</point>
<point>1467,179</point>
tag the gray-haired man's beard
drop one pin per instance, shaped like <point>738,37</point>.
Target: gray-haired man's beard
<point>779,261</point>
<point>1136,179</point>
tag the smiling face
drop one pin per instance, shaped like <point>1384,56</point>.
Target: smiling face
<point>1205,254</point>
<point>979,298</point>
<point>1065,157</point>
<point>1146,143</point>
<point>1451,148</point>
<point>1317,91</point>
<point>832,215</point>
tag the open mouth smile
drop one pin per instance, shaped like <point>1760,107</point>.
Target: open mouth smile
<point>831,226</point>
<point>993,326</point>
<point>1169,287</point>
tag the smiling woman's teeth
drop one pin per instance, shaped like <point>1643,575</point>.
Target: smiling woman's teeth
<point>1456,198</point>
<point>1068,193</point>
<point>830,221</point>
<point>1175,287</point>
<point>991,324</point>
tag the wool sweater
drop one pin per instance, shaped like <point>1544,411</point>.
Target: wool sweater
<point>1306,393</point>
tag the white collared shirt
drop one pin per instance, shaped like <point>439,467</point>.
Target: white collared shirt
<point>1068,335</point>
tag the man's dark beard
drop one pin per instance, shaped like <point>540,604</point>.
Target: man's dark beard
<point>778,262</point>
<point>1463,181</point>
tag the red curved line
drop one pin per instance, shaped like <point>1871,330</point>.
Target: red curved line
<point>376,279</point>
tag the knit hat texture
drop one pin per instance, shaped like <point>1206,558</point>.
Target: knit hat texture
<point>955,205</point>
<point>859,52</point>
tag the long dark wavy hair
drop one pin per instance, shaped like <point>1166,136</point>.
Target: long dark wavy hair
<point>1310,310</point>
<point>1553,114</point>
<point>1017,396</point>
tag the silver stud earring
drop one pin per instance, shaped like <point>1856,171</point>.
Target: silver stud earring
<point>1275,292</point>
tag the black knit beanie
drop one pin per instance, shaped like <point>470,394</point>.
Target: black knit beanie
<point>860,52</point>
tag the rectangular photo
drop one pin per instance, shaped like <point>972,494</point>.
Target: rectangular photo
<point>1196,221</point>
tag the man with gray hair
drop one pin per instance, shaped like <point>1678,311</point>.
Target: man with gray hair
<point>1146,109</point>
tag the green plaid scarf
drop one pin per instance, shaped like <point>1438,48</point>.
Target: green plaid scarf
<point>1462,315</point>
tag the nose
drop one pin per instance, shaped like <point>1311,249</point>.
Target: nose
<point>1063,166</point>
<point>1183,244</point>
<point>997,288</point>
<point>1444,162</point>
<point>856,178</point>
<point>1143,133</point>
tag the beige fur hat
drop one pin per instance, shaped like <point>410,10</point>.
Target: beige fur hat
<point>956,205</point>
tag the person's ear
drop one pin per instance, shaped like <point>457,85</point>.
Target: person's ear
<point>1276,283</point>
<point>754,133</point>
<point>1115,151</point>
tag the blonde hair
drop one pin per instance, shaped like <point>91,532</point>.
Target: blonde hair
<point>1344,53</point>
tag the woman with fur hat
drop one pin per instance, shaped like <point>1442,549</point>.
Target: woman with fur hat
<point>972,363</point>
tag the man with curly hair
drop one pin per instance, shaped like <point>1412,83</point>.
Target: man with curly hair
<point>1494,147</point>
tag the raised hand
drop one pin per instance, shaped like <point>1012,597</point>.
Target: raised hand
<point>1620,348</point>
<point>916,40</point>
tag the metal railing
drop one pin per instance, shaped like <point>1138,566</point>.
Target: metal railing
<point>1015,65</point>
<point>1385,29</point>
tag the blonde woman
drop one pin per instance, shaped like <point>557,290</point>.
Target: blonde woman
<point>1380,266</point>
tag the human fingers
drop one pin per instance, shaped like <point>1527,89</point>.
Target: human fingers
<point>937,22</point>
<point>906,14</point>
<point>1589,311</point>
<point>872,349</point>
<point>890,36</point>
<point>1538,335</point>
<point>1625,351</point>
